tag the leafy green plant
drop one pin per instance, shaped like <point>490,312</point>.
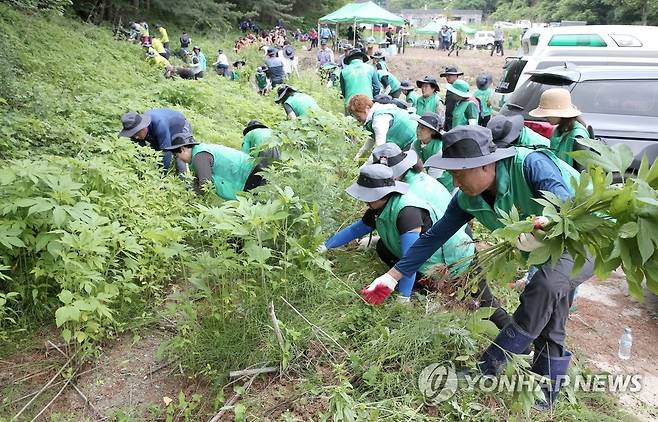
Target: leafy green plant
<point>616,224</point>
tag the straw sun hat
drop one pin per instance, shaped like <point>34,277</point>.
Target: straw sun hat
<point>555,102</point>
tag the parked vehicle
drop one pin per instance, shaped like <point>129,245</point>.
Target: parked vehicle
<point>581,45</point>
<point>619,103</point>
<point>482,39</point>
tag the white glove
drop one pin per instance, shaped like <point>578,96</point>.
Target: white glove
<point>541,222</point>
<point>384,280</point>
<point>527,242</point>
<point>321,249</point>
<point>367,243</point>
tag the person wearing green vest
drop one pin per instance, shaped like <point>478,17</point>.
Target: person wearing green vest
<point>555,105</point>
<point>390,83</point>
<point>262,82</point>
<point>451,73</point>
<point>357,77</point>
<point>237,69</point>
<point>386,122</point>
<point>229,170</point>
<point>492,181</point>
<point>429,143</point>
<point>295,103</point>
<point>466,111</point>
<point>510,131</point>
<point>159,48</point>
<point>398,215</point>
<point>410,95</point>
<point>379,61</point>
<point>429,101</point>
<point>483,94</point>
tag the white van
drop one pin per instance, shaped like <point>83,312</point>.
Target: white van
<point>595,45</point>
<point>482,39</point>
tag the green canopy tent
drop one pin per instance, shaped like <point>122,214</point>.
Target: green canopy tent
<point>367,12</point>
<point>432,28</point>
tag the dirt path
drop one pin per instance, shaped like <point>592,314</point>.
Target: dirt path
<point>604,309</point>
<point>418,62</point>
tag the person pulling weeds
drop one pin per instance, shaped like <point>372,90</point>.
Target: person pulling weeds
<point>399,216</point>
<point>295,103</point>
<point>492,181</point>
<point>156,127</point>
<point>230,171</point>
<point>386,122</point>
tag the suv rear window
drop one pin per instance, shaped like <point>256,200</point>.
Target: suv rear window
<point>621,97</point>
<point>511,74</point>
<point>527,97</point>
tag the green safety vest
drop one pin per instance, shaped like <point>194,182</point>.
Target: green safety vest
<point>301,103</point>
<point>393,82</point>
<point>261,80</point>
<point>235,75</point>
<point>254,139</point>
<point>230,168</point>
<point>460,245</point>
<point>427,104</point>
<point>412,98</point>
<point>432,148</point>
<point>483,95</point>
<point>563,144</point>
<point>511,190</point>
<point>383,65</point>
<point>357,79</point>
<point>463,111</point>
<point>402,130</point>
<point>529,137</point>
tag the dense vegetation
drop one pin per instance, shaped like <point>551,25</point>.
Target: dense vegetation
<point>94,242</point>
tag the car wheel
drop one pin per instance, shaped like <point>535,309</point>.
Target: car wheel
<point>489,46</point>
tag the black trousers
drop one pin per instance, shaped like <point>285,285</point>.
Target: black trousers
<point>498,46</point>
<point>484,120</point>
<point>500,317</point>
<point>545,304</point>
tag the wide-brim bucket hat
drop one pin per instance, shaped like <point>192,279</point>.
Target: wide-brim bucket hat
<point>283,92</point>
<point>467,147</point>
<point>451,70</point>
<point>460,88</point>
<point>375,181</point>
<point>133,122</point>
<point>179,140</point>
<point>428,80</point>
<point>356,53</point>
<point>390,155</point>
<point>555,102</point>
<point>505,129</point>
<point>242,62</point>
<point>406,86</point>
<point>431,121</point>
<point>253,124</point>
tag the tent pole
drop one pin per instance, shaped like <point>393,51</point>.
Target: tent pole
<point>336,37</point>
<point>354,33</point>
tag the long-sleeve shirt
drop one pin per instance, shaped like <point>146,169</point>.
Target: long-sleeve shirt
<point>165,123</point>
<point>325,56</point>
<point>541,173</point>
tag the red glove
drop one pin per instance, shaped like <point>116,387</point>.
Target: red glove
<point>377,292</point>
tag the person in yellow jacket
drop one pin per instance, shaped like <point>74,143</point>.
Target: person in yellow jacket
<point>159,48</point>
<point>162,35</point>
<point>156,59</point>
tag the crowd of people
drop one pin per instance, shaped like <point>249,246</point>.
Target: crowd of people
<point>436,158</point>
